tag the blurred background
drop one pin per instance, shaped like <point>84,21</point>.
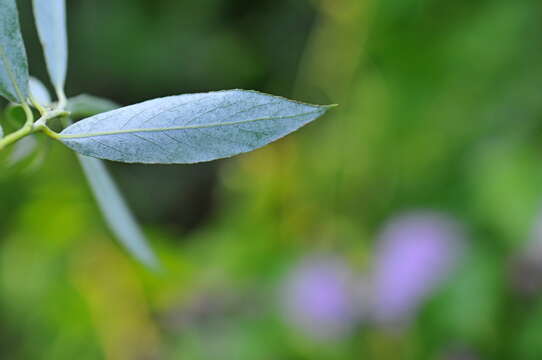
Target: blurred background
<point>405,224</point>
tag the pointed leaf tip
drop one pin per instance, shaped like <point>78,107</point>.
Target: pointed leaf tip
<point>116,212</point>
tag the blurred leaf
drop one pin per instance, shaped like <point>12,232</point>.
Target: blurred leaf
<point>39,91</point>
<point>189,128</point>
<point>116,212</point>
<point>15,115</point>
<point>50,18</point>
<point>85,105</point>
<point>22,149</point>
<point>14,66</point>
<point>1,132</point>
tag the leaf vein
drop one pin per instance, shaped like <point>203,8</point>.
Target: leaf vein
<point>173,128</point>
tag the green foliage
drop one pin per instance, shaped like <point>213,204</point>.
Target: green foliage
<point>198,127</point>
<point>85,105</point>
<point>440,110</point>
<point>13,63</point>
<point>50,18</point>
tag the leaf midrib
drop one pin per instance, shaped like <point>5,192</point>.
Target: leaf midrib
<point>173,128</point>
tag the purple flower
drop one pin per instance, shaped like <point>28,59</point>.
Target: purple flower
<point>318,298</point>
<point>415,253</point>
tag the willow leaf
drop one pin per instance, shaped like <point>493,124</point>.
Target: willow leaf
<point>85,105</point>
<point>13,63</point>
<point>39,92</point>
<point>189,128</point>
<point>50,16</point>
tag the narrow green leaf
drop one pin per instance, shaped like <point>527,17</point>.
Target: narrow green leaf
<point>85,105</point>
<point>189,128</point>
<point>39,92</point>
<point>13,63</point>
<point>50,16</point>
<point>116,212</point>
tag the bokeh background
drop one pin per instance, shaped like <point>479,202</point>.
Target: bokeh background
<point>405,224</point>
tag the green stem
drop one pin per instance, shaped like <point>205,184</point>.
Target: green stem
<point>22,132</point>
<point>30,127</point>
<point>62,100</point>
<point>41,124</point>
<point>37,105</point>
